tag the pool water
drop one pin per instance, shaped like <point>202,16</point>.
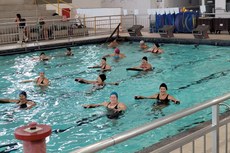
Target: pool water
<point>192,75</point>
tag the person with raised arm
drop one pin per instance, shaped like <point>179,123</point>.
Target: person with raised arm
<point>116,55</point>
<point>145,66</point>
<point>163,98</point>
<point>22,102</point>
<point>40,81</point>
<point>114,107</point>
<point>104,66</point>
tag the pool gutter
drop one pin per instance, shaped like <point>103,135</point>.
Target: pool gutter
<point>9,49</point>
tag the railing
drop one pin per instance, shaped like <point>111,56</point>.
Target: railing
<point>214,128</point>
<point>57,28</point>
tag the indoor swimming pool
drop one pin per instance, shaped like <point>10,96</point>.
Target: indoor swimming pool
<point>193,75</point>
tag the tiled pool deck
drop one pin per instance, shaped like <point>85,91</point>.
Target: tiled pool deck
<point>214,39</point>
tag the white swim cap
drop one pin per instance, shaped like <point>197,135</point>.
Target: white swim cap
<point>142,42</point>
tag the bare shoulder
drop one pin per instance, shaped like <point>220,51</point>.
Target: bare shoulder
<point>105,103</point>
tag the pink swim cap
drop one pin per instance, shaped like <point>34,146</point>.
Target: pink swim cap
<point>117,50</point>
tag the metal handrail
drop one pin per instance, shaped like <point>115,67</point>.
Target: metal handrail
<point>150,126</point>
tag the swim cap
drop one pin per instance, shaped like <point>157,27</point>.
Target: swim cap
<point>117,50</point>
<point>142,42</point>
<point>163,85</point>
<point>103,77</point>
<point>69,49</point>
<point>145,58</point>
<point>114,93</point>
<point>104,58</point>
<point>156,44</point>
<point>42,70</point>
<point>23,93</point>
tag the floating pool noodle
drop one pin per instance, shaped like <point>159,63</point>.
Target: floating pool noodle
<point>134,69</point>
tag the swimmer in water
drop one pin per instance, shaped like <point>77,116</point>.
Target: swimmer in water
<point>155,49</point>
<point>40,81</point>
<point>145,66</point>
<point>68,52</point>
<point>104,66</point>
<point>22,102</point>
<point>99,83</point>
<point>116,55</point>
<point>43,57</point>
<point>114,107</point>
<point>113,44</point>
<point>162,98</point>
<point>143,45</point>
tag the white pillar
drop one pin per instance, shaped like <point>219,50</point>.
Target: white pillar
<point>220,7</point>
<point>203,2</point>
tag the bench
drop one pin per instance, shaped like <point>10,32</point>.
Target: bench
<point>135,30</point>
<point>167,31</point>
<point>201,31</point>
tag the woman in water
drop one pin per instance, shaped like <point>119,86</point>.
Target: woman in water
<point>113,44</point>
<point>145,66</point>
<point>155,49</point>
<point>116,55</point>
<point>162,98</point>
<point>98,83</point>
<point>104,66</point>
<point>68,52</point>
<point>43,57</point>
<point>22,102</point>
<point>143,45</point>
<point>114,107</point>
<point>40,81</point>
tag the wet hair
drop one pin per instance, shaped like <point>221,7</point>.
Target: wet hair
<point>42,53</point>
<point>103,77</point>
<point>114,93</point>
<point>117,50</point>
<point>104,58</point>
<point>145,58</point>
<point>69,49</point>
<point>23,93</point>
<point>156,44</point>
<point>18,16</point>
<point>163,85</point>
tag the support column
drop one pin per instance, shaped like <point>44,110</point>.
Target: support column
<point>220,7</point>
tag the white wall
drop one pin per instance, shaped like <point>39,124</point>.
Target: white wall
<point>102,22</point>
<point>55,7</point>
<point>220,4</point>
<point>11,2</point>
<point>220,9</point>
<point>154,4</point>
<point>181,3</point>
<point>129,5</point>
<point>87,3</point>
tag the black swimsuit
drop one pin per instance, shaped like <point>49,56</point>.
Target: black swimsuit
<point>23,105</point>
<point>41,81</point>
<point>111,114</point>
<point>103,67</point>
<point>162,101</point>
